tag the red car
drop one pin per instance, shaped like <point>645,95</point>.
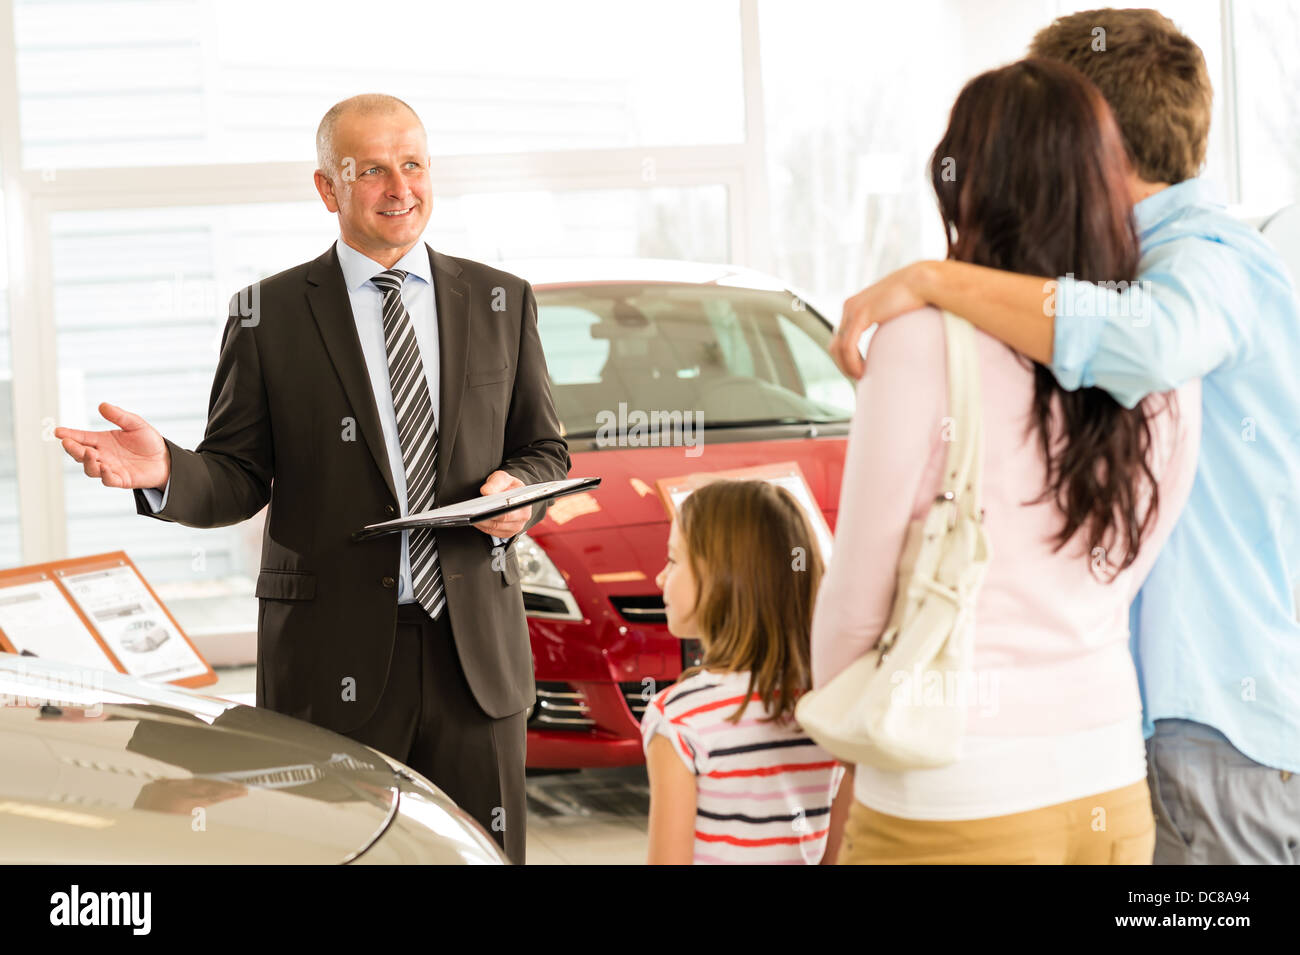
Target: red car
<point>658,370</point>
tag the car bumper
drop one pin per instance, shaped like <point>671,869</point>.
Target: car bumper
<point>591,699</point>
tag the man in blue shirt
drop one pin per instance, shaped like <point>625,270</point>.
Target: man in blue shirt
<point>1214,630</point>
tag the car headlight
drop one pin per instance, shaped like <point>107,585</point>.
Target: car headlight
<point>546,594</point>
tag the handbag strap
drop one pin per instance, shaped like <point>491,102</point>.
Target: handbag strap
<point>962,477</point>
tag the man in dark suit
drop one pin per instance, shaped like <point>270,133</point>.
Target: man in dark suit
<point>375,381</point>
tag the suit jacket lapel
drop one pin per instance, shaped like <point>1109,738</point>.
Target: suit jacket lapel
<point>451,293</point>
<point>327,294</point>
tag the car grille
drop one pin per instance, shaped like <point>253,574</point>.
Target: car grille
<point>641,609</point>
<point>639,694</point>
<point>560,706</point>
<point>535,603</point>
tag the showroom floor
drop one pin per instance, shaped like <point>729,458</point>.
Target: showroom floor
<point>592,817</point>
<point>589,817</point>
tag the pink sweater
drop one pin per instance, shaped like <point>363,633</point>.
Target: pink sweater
<point>1051,640</point>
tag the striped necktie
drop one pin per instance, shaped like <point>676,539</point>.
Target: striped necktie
<point>416,433</point>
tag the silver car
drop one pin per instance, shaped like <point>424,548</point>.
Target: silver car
<point>99,767</point>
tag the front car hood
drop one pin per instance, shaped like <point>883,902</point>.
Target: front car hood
<point>99,767</point>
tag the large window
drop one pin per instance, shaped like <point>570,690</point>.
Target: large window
<point>10,532</point>
<point>851,115</point>
<point>1267,34</point>
<point>857,95</point>
<point>219,81</point>
<point>139,298</point>
<point>668,222</point>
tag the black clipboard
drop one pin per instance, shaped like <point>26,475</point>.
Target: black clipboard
<point>476,510</point>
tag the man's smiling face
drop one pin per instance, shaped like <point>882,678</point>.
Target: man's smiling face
<point>380,189</point>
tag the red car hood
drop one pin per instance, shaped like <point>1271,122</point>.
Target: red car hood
<point>628,494</point>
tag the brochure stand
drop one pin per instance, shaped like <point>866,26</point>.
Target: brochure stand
<point>98,612</point>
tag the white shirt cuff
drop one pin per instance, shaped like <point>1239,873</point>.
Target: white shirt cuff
<point>156,499</point>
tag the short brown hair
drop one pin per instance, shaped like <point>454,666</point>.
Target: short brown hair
<point>757,567</point>
<point>1153,77</point>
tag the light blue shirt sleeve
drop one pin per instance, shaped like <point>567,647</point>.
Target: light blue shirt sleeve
<point>155,499</point>
<point>1173,324</point>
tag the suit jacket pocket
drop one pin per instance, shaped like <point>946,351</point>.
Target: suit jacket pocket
<point>487,377</point>
<point>286,585</point>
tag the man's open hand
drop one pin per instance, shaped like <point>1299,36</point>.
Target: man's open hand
<point>133,456</point>
<point>892,296</point>
<point>512,522</point>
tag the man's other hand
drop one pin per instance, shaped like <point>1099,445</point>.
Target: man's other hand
<point>894,295</point>
<point>134,456</point>
<point>512,522</point>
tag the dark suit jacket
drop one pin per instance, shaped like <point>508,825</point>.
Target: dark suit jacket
<point>292,420</point>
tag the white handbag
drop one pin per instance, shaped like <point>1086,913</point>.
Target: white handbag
<point>903,704</point>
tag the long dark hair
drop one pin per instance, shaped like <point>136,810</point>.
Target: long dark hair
<point>1031,177</point>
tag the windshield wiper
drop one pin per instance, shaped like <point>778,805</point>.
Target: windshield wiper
<point>769,422</point>
<point>743,423</point>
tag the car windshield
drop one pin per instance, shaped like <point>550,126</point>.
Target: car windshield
<point>731,356</point>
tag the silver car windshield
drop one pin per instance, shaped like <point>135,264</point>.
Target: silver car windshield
<point>732,356</point>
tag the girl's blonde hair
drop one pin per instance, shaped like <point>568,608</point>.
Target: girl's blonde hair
<point>757,567</point>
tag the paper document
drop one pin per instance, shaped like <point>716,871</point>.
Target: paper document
<point>133,624</point>
<point>38,620</point>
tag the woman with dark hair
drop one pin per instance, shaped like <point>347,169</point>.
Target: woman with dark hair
<point>1079,494</point>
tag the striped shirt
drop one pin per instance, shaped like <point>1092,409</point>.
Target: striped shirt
<point>764,790</point>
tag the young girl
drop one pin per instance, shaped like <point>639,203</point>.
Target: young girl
<point>733,778</point>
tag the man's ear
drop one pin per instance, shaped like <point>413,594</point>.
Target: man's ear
<point>325,187</point>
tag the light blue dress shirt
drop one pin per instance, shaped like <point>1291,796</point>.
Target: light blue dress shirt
<point>367,300</point>
<point>1214,629</point>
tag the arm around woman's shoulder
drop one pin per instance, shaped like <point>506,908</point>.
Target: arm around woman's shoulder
<point>897,430</point>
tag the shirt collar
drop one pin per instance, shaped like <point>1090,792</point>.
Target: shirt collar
<point>359,268</point>
<point>1156,208</point>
